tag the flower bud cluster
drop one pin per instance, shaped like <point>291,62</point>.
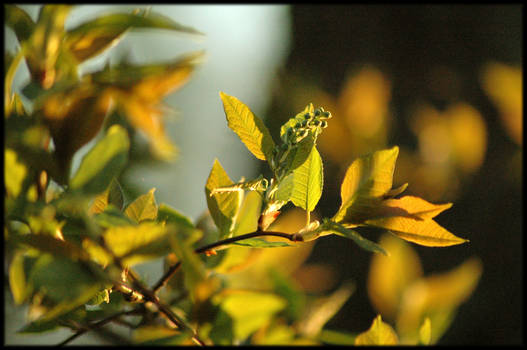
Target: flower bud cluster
<point>313,121</point>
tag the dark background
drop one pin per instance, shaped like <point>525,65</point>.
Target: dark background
<point>405,42</point>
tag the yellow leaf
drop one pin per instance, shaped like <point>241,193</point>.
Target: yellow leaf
<point>143,208</point>
<point>251,130</point>
<point>390,275</point>
<point>437,297</point>
<point>367,179</point>
<point>380,333</point>
<point>425,332</point>
<point>423,232</point>
<point>416,207</point>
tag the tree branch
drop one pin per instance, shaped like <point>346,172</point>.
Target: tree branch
<point>294,237</point>
<point>96,325</point>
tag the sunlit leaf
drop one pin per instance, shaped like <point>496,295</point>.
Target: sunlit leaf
<point>366,181</point>
<point>143,208</point>
<point>412,207</point>
<point>308,181</point>
<point>222,206</point>
<point>112,195</point>
<point>246,222</point>
<point>437,297</point>
<point>395,191</point>
<point>104,162</point>
<point>423,232</point>
<point>390,275</point>
<point>134,244</point>
<point>102,296</point>
<point>251,130</point>
<point>48,244</point>
<point>380,333</point>
<point>14,173</point>
<point>425,332</point>
<point>93,37</point>
<point>17,278</point>
<point>259,184</point>
<point>251,310</point>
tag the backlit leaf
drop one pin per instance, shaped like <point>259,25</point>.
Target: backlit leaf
<point>425,332</point>
<point>17,278</point>
<point>366,181</point>
<point>93,37</point>
<point>437,296</point>
<point>134,244</point>
<point>390,275</point>
<point>412,207</point>
<point>251,310</point>
<point>112,195</point>
<point>308,180</point>
<point>103,162</point>
<point>143,208</point>
<point>14,173</point>
<point>251,130</point>
<point>423,232</point>
<point>222,206</point>
<point>380,333</point>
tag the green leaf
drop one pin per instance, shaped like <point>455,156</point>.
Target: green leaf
<point>251,310</point>
<point>366,181</point>
<point>194,272</point>
<point>133,244</point>
<point>159,335</point>
<point>170,215</point>
<point>18,20</point>
<point>102,296</point>
<point>93,37</point>
<point>364,243</point>
<point>261,243</point>
<point>308,181</point>
<point>143,208</point>
<point>112,195</point>
<point>333,337</point>
<point>380,333</point>
<point>222,206</point>
<point>423,232</point>
<point>251,130</point>
<point>259,184</point>
<point>284,287</point>
<point>111,216</point>
<point>425,332</point>
<point>49,274</point>
<point>104,162</point>
<point>17,278</point>
<point>14,173</point>
<point>52,245</point>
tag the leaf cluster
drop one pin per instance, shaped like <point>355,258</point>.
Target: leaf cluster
<point>74,239</point>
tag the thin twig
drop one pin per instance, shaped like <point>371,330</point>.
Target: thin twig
<point>83,329</point>
<point>294,237</point>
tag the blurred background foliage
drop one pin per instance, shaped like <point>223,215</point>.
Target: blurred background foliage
<point>442,82</point>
